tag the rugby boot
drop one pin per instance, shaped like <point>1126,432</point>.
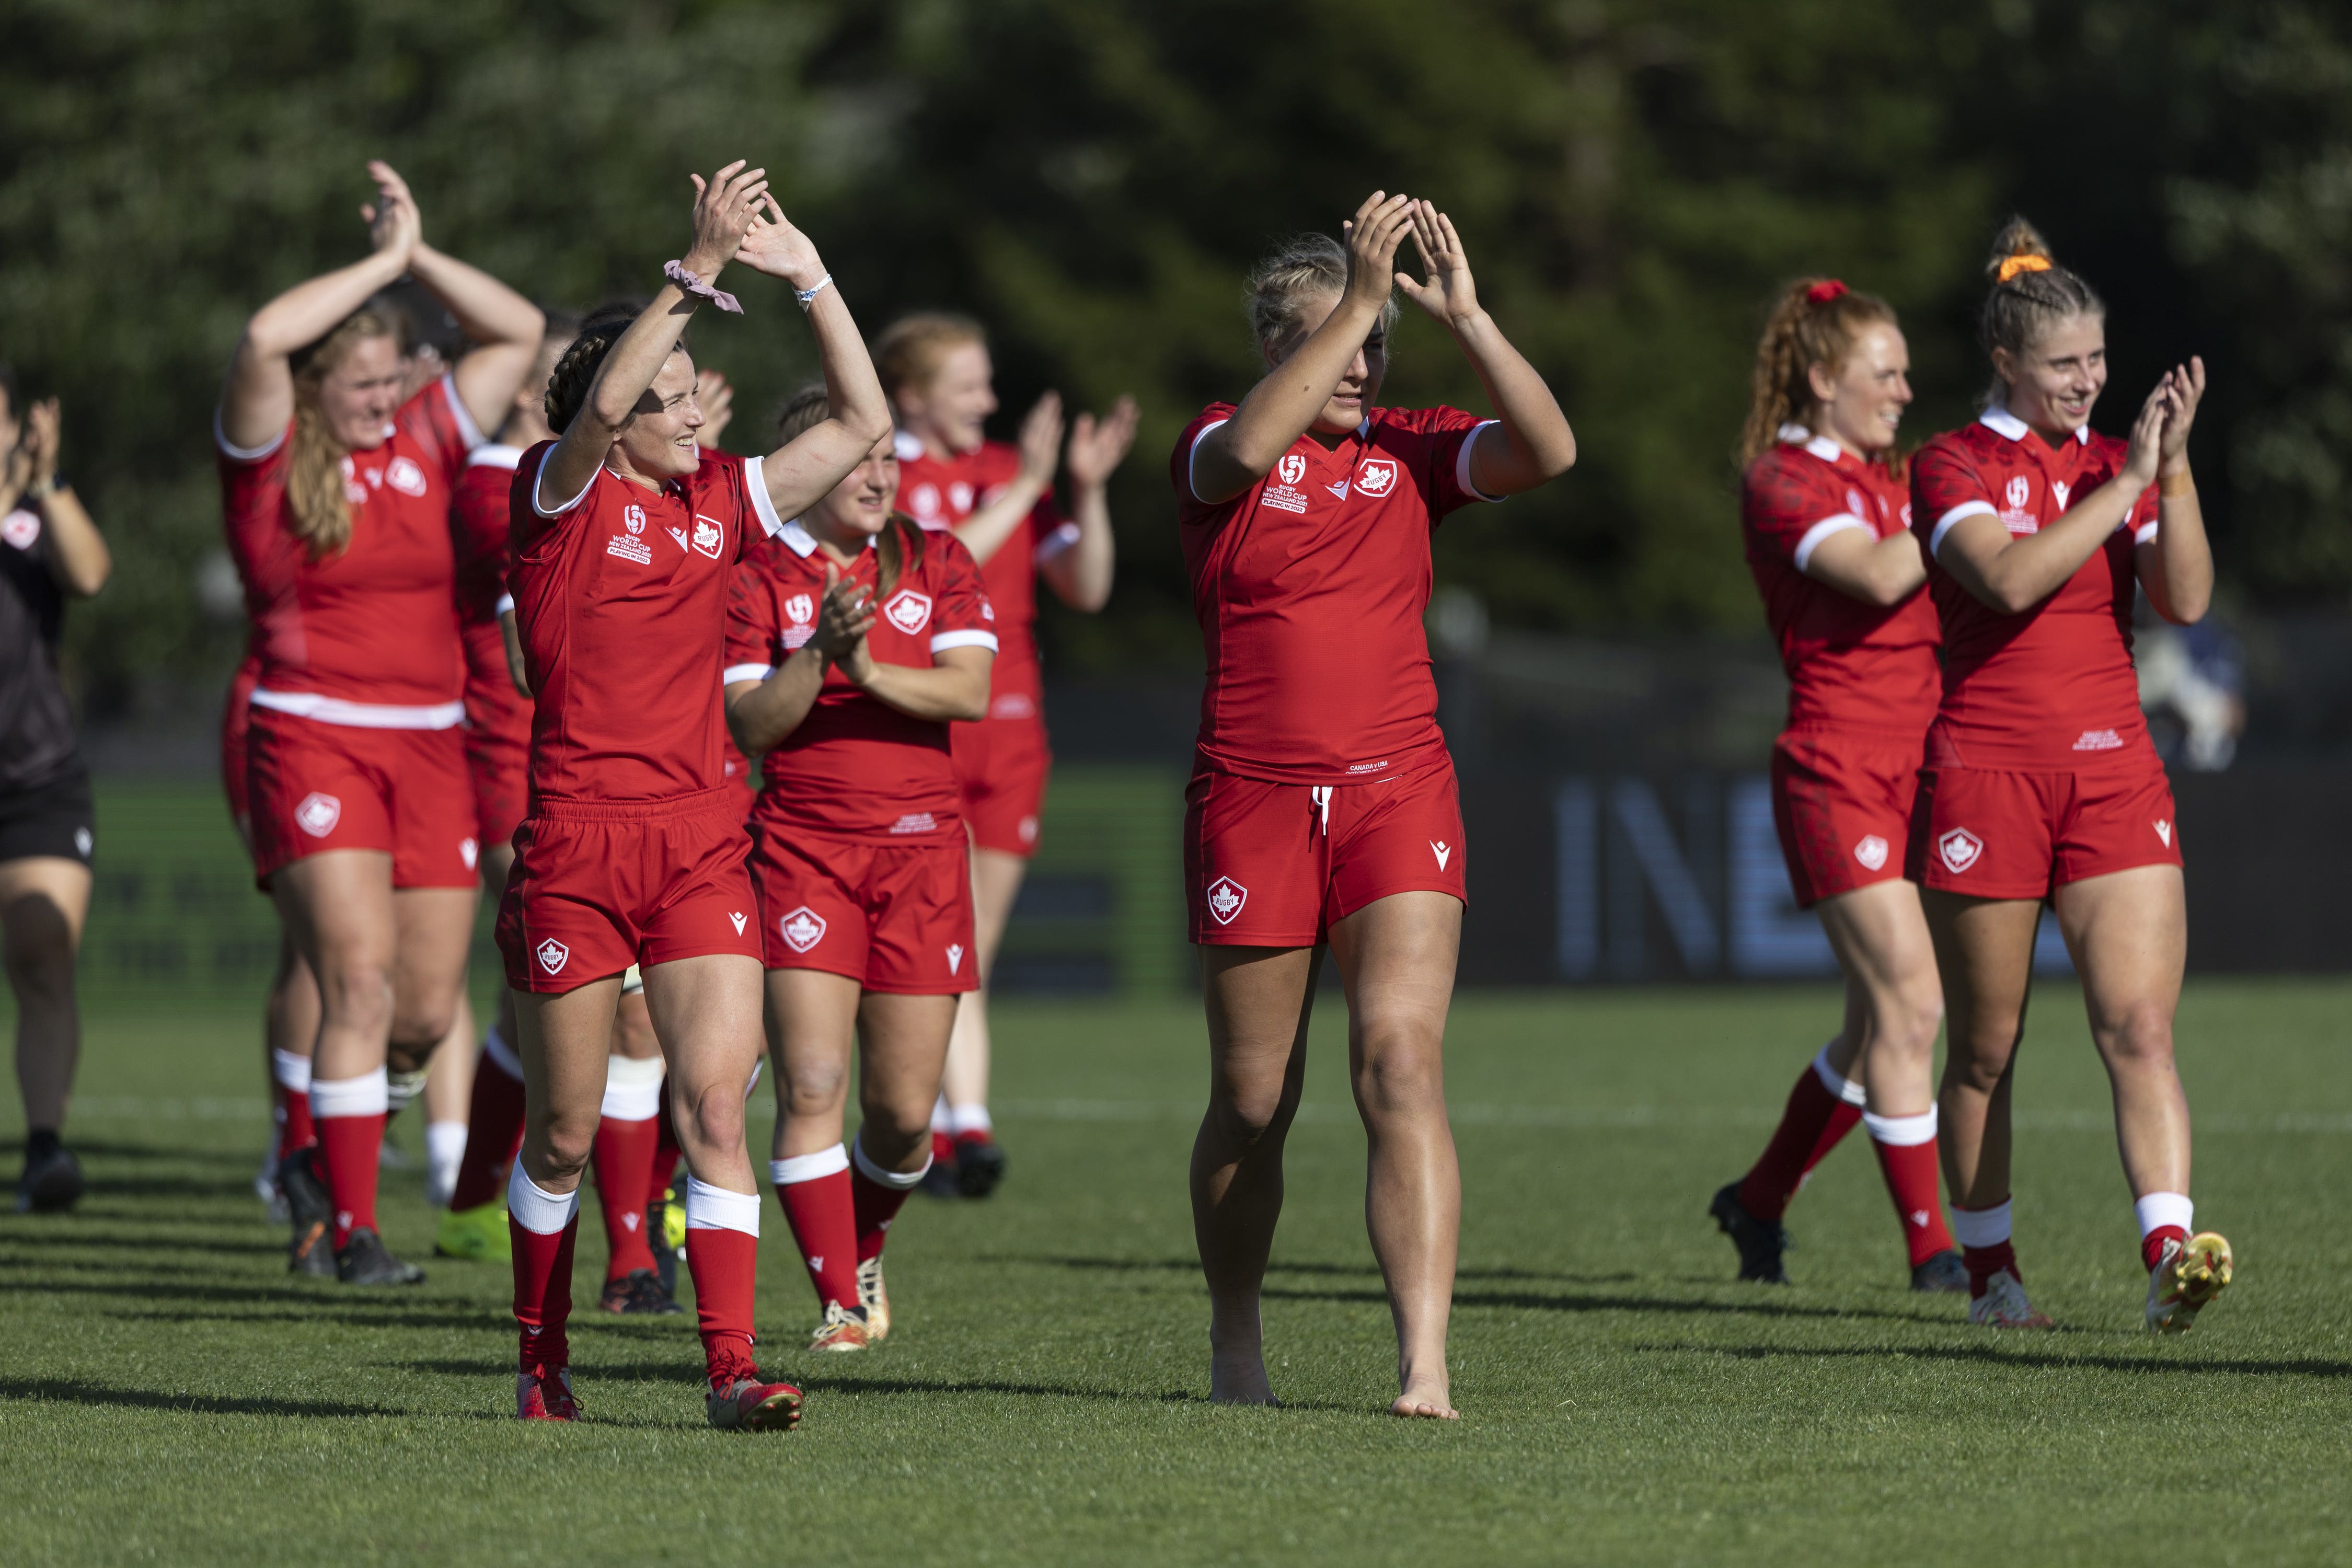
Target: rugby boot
<point>872,1300</point>
<point>52,1181</point>
<point>843,1330</point>
<point>666,1223</point>
<point>2187,1277</point>
<point>1942,1274</point>
<point>478,1234</point>
<point>638,1293</point>
<point>2004,1305</point>
<point>310,1211</point>
<point>1760,1241</point>
<point>978,1166</point>
<point>363,1260</point>
<point>749,1405</point>
<point>544,1393</point>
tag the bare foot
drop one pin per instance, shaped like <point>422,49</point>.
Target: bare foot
<point>1425,1398</point>
<point>1237,1376</point>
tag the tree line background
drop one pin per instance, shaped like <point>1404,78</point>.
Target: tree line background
<point>1633,180</point>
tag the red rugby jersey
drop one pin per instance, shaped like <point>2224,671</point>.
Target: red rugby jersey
<point>621,596</point>
<point>2053,688</point>
<point>1851,665</point>
<point>856,767</point>
<point>941,495</point>
<point>367,635</point>
<point>480,524</point>
<point>1310,587</point>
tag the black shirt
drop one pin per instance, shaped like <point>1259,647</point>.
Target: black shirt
<point>37,736</point>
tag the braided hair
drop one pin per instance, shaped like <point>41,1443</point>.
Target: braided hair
<point>901,547</point>
<point>1816,321</point>
<point>2031,293</point>
<point>575,373</point>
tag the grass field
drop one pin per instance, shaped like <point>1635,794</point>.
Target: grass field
<point>167,1393</point>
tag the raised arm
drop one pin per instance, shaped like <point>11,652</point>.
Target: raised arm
<point>2176,567</point>
<point>2013,573</point>
<point>258,400</point>
<point>985,531</point>
<point>1536,443</point>
<point>723,210</point>
<point>504,326</point>
<point>72,547</point>
<point>1282,408</point>
<point>1081,574</point>
<point>806,468</point>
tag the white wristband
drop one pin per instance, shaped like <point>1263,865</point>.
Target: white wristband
<point>807,296</point>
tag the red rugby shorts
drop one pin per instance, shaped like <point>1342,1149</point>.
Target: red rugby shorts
<point>313,786</point>
<point>1997,835</point>
<point>1842,801</point>
<point>895,917</point>
<point>598,885</point>
<point>1276,865</point>
<point>1001,767</point>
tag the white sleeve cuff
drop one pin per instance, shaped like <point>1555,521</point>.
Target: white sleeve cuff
<point>1053,543</point>
<point>467,431</point>
<point>1823,529</point>
<point>541,475</point>
<point>246,454</point>
<point>734,674</point>
<point>1194,455</point>
<point>505,605</point>
<point>947,640</point>
<point>2146,534</point>
<point>1462,466</point>
<point>755,479</point>
<point>1944,523</point>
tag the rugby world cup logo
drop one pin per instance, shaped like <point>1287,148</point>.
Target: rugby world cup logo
<point>1959,849</point>
<point>1225,899</point>
<point>1292,468</point>
<point>633,518</point>
<point>2019,490</point>
<point>800,609</point>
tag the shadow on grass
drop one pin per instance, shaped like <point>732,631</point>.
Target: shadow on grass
<point>1997,1355</point>
<point>687,1370</point>
<point>1349,1270</point>
<point>114,1239</point>
<point>74,1391</point>
<point>1533,1301</point>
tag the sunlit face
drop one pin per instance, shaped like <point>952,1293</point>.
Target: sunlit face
<point>858,509</point>
<point>1860,404</point>
<point>954,407</point>
<point>358,398</point>
<point>1360,387</point>
<point>2052,385</point>
<point>659,437</point>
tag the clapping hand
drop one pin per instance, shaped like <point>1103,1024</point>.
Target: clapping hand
<point>773,246</point>
<point>724,208</point>
<point>1449,294</point>
<point>1098,446</point>
<point>842,623</point>
<point>394,223</point>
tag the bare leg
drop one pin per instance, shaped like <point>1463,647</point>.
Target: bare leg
<point>434,928</point>
<point>905,1046</point>
<point>1984,951</point>
<point>811,1020</point>
<point>1880,936</point>
<point>564,1042</point>
<point>633,1029</point>
<point>44,901</point>
<point>706,1012</point>
<point>996,884</point>
<point>1259,1001</point>
<point>339,907</point>
<point>2128,933</point>
<point>1396,958</point>
<point>449,1081</point>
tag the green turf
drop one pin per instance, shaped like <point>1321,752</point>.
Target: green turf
<point>167,1393</point>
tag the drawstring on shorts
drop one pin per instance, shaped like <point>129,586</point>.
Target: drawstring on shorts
<point>1319,799</point>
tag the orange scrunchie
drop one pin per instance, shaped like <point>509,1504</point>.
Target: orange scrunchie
<point>2017,264</point>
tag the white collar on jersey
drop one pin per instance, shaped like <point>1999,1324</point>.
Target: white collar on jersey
<point>803,544</point>
<point>2001,421</point>
<point>495,456</point>
<point>906,447</point>
<point>1821,447</point>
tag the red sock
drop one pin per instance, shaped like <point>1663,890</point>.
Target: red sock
<point>2151,1246</point>
<point>350,1146</point>
<point>876,1205</point>
<point>1812,1125</point>
<point>493,1134</point>
<point>1911,1180</point>
<point>825,1220</point>
<point>296,1131</point>
<point>621,1155</point>
<point>543,1291</point>
<point>724,1264</point>
<point>942,1149</point>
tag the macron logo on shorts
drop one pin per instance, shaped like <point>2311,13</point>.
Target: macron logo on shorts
<point>553,955</point>
<point>318,814</point>
<point>955,956</point>
<point>1871,852</point>
<point>801,930</point>
<point>2164,831</point>
<point>738,919</point>
<point>1226,898</point>
<point>1959,849</point>
<point>1443,851</point>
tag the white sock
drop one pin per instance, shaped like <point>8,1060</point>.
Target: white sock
<point>963,1118</point>
<point>942,1117</point>
<point>880,1177</point>
<point>809,1167</point>
<point>2159,1209</point>
<point>1982,1227</point>
<point>1843,1088</point>
<point>401,1089</point>
<point>367,1095</point>
<point>1901,1131</point>
<point>535,1208</point>
<point>716,1208</point>
<point>444,1150</point>
<point>633,1089</point>
<point>292,1072</point>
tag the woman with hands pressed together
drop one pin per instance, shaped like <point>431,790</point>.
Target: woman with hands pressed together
<point>625,534</point>
<point>2041,783</point>
<point>1322,808</point>
<point>854,638</point>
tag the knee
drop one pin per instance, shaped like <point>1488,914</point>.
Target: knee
<point>816,1092</point>
<point>570,1140</point>
<point>2141,1036</point>
<point>1915,1017</point>
<point>897,1125</point>
<point>357,992</point>
<point>419,1024</point>
<point>716,1118</point>
<point>1401,1073</point>
<point>1249,1114</point>
<point>40,951</point>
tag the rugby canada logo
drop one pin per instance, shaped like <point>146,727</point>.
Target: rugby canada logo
<point>405,476</point>
<point>925,499</point>
<point>318,814</point>
<point>1870,851</point>
<point>1376,476</point>
<point>1292,468</point>
<point>1854,504</point>
<point>553,955</point>
<point>708,536</point>
<point>801,930</point>
<point>800,609</point>
<point>1226,898</point>
<point>20,528</point>
<point>907,610</point>
<point>633,518</point>
<point>959,497</point>
<point>1960,848</point>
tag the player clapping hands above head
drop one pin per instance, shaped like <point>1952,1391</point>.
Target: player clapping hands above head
<point>1322,805</point>
<point>335,494</point>
<point>854,639</point>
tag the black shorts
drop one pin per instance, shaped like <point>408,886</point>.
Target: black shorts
<point>48,819</point>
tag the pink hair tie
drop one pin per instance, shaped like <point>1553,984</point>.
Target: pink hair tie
<point>676,273</point>
<point>1827,289</point>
